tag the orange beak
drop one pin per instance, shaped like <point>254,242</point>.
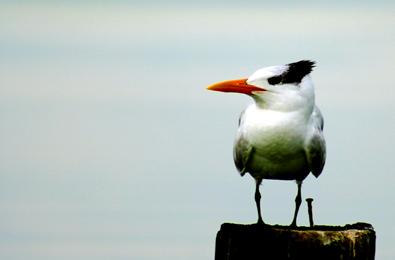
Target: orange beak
<point>238,86</point>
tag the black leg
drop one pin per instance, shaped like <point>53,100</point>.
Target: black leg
<point>258,200</point>
<point>298,201</point>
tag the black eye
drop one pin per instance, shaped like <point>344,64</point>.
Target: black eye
<point>274,80</point>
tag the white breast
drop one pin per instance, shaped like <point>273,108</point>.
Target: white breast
<point>278,140</point>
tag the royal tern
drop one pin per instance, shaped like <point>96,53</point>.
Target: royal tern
<point>280,135</point>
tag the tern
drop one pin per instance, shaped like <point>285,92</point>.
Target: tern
<point>280,135</point>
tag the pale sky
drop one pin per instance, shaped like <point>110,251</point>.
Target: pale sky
<point>111,147</point>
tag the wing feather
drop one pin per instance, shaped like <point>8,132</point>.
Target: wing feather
<point>315,145</point>
<point>242,153</point>
<point>242,150</point>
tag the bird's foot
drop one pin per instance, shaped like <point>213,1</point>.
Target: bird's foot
<point>260,222</point>
<point>293,224</point>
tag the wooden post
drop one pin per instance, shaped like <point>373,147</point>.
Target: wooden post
<point>259,242</point>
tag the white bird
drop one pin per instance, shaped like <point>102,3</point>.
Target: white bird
<point>280,135</point>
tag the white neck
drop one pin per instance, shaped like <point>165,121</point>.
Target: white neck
<point>288,98</point>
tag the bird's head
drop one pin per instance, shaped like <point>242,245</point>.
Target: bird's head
<point>280,87</point>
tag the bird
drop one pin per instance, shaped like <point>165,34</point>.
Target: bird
<point>280,134</point>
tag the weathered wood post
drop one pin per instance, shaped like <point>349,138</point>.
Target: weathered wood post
<point>253,242</point>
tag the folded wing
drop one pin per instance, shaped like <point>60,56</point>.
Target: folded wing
<point>315,147</point>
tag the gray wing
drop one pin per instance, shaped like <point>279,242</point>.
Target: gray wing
<point>315,145</point>
<point>242,150</point>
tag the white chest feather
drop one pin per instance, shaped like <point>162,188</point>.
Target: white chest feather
<point>274,131</point>
<point>277,139</point>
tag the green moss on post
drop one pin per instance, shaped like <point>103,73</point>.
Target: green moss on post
<point>253,242</point>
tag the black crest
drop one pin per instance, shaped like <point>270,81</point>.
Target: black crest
<point>295,73</point>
